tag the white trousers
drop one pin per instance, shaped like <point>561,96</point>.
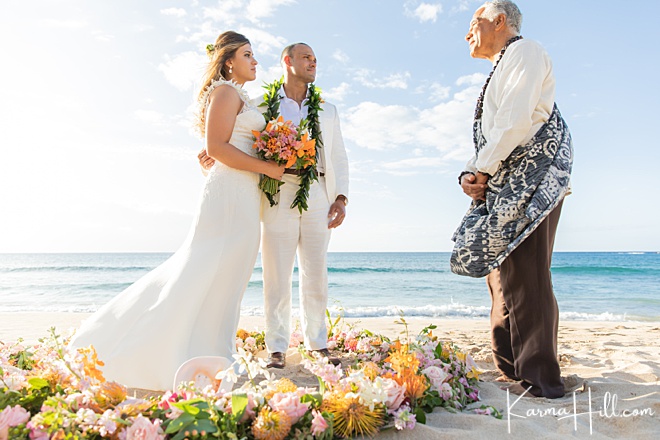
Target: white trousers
<point>285,231</point>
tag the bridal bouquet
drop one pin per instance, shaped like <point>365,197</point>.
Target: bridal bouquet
<point>284,143</point>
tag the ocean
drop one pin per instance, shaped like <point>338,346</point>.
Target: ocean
<point>611,286</point>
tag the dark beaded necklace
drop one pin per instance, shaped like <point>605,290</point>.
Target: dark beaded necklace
<point>480,102</point>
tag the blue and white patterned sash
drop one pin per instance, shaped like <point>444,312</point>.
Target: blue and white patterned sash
<point>529,184</point>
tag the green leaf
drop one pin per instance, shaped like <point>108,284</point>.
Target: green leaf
<point>204,425</point>
<point>187,407</point>
<point>37,383</point>
<point>315,399</point>
<point>420,416</point>
<point>180,423</point>
<point>239,402</point>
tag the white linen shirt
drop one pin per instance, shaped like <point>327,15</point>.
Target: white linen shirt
<point>519,100</point>
<point>291,111</point>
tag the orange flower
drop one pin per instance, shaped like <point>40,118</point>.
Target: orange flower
<point>110,395</point>
<point>90,361</point>
<point>271,425</point>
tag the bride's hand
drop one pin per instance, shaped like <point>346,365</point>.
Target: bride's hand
<point>274,170</point>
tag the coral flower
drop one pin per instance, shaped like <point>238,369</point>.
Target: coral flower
<point>271,425</point>
<point>110,395</point>
<point>351,418</point>
<point>90,362</point>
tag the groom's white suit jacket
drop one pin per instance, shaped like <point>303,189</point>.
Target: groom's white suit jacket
<point>333,151</point>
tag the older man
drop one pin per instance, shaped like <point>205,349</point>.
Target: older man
<point>517,179</point>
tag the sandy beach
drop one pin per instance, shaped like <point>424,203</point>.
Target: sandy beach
<point>620,362</point>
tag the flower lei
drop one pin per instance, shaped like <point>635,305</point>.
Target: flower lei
<point>272,103</point>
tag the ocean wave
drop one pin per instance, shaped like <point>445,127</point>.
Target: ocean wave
<point>383,270</point>
<point>74,268</point>
<point>446,311</point>
<point>606,316</point>
<point>602,270</point>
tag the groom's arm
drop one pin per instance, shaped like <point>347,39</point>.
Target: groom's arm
<point>339,159</point>
<point>205,161</point>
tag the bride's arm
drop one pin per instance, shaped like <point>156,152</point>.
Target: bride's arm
<point>224,105</point>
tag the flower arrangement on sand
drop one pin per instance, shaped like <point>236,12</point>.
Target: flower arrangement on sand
<point>51,391</point>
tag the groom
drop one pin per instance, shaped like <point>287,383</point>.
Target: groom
<point>286,231</point>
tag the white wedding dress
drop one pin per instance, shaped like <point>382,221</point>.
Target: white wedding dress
<point>190,305</point>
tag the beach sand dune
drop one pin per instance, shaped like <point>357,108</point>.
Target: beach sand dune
<point>620,362</point>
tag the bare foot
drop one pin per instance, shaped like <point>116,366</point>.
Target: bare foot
<point>505,379</point>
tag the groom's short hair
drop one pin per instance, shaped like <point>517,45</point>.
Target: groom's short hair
<point>287,50</point>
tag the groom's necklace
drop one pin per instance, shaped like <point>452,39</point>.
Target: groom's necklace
<point>272,103</point>
<point>478,112</point>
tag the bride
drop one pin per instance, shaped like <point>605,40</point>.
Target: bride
<point>190,305</point>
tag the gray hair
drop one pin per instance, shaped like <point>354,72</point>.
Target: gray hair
<point>513,15</point>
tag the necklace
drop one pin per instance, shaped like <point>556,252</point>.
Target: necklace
<point>272,103</point>
<point>478,112</point>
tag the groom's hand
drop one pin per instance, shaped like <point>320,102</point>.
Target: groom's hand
<point>475,186</point>
<point>336,214</point>
<point>205,161</point>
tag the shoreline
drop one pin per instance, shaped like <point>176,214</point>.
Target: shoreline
<point>33,325</point>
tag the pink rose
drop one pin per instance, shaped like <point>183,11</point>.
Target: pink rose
<point>10,417</point>
<point>436,376</point>
<point>143,429</point>
<point>290,404</point>
<point>319,424</point>
<point>395,393</point>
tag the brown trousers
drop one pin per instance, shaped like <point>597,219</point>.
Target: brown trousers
<point>524,315</point>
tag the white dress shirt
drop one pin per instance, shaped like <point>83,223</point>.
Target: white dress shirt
<point>519,100</point>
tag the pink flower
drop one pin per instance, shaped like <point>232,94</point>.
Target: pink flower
<point>437,377</point>
<point>404,419</point>
<point>395,393</point>
<point>290,404</point>
<point>296,339</point>
<point>143,429</point>
<point>10,417</point>
<point>319,424</point>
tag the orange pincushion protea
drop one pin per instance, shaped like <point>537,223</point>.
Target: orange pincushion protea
<point>351,418</point>
<point>271,425</point>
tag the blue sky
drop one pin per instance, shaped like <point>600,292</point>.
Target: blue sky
<point>96,98</point>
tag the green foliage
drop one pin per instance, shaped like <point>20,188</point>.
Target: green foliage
<point>196,418</point>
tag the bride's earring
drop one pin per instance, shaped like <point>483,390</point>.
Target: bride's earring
<point>230,71</point>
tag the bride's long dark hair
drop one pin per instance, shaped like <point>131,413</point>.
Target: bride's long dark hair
<point>224,49</point>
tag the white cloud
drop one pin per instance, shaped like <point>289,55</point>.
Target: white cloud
<point>67,24</point>
<point>337,93</point>
<point>143,27</point>
<point>264,43</point>
<point>174,12</point>
<point>367,78</point>
<point>424,11</point>
<point>340,56</point>
<point>149,116</point>
<point>444,126</point>
<point>472,80</point>
<point>100,36</point>
<point>229,12</point>
<point>258,9</point>
<point>436,92</point>
<point>183,70</point>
